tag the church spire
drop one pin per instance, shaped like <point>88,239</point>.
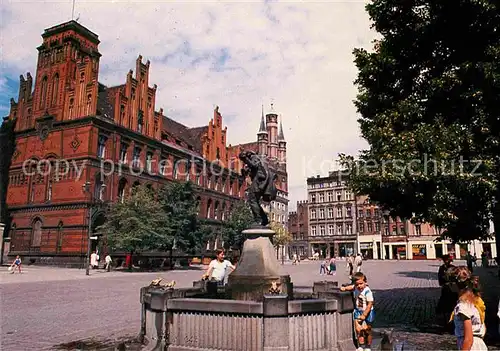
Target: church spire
<point>281,136</point>
<point>262,128</point>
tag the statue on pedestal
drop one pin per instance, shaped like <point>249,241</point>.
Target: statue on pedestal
<point>262,187</point>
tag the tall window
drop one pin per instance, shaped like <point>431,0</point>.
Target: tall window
<point>340,230</point>
<point>418,229</point>
<point>331,229</point>
<point>348,211</point>
<point>369,227</point>
<point>121,189</point>
<point>329,196</point>
<point>137,157</point>
<point>348,229</point>
<point>188,169</point>
<point>99,189</point>
<point>176,169</point>
<point>216,210</point>
<point>43,92</point>
<point>149,162</point>
<point>209,208</point>
<point>313,230</point>
<point>49,190</point>
<point>140,121</point>
<point>101,146</point>
<point>321,213</point>
<point>313,213</point>
<point>55,89</point>
<point>339,195</point>
<point>37,233</point>
<point>321,197</point>
<point>330,212</point>
<point>339,212</point>
<point>123,152</point>
<point>322,230</point>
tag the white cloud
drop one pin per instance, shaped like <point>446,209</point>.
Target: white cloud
<point>298,53</point>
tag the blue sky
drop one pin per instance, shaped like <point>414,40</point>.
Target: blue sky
<point>237,55</point>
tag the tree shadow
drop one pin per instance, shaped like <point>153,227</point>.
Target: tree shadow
<point>419,275</point>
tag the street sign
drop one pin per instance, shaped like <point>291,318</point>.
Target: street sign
<point>93,238</point>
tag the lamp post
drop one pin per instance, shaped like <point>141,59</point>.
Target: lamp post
<point>87,188</point>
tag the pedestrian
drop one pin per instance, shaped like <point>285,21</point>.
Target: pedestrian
<point>448,296</point>
<point>364,314</point>
<point>358,261</point>
<point>350,263</point>
<point>332,266</point>
<point>469,320</point>
<point>94,260</point>
<point>294,258</point>
<point>108,261</point>
<point>16,264</point>
<point>219,268</point>
<point>469,259</point>
<point>322,267</point>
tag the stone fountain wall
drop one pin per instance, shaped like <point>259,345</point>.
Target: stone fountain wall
<point>174,320</point>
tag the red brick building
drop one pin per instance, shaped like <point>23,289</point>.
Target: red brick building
<point>72,130</point>
<point>298,224</point>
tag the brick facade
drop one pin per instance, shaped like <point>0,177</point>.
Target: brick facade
<point>72,130</point>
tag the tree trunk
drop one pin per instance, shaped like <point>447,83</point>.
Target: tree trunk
<point>496,227</point>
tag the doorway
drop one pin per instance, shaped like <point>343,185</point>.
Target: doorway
<point>439,250</point>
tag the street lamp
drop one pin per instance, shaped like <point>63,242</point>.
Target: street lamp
<point>87,189</point>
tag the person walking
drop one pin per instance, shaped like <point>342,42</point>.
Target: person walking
<point>322,267</point>
<point>332,267</point>
<point>16,264</point>
<point>358,261</point>
<point>448,296</point>
<point>108,261</point>
<point>469,260</point>
<point>350,265</point>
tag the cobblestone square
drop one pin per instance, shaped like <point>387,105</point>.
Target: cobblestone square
<point>45,307</point>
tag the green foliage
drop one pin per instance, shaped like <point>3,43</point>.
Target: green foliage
<point>181,210</point>
<point>240,219</point>
<point>137,223</point>
<point>429,100</point>
<point>282,236</point>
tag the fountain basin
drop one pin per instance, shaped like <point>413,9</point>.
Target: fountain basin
<point>173,321</point>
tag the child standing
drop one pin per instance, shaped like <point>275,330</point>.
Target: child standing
<point>364,315</point>
<point>16,264</point>
<point>322,267</point>
<point>333,267</point>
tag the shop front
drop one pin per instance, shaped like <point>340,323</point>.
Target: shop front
<point>366,250</point>
<point>419,251</point>
<point>346,249</point>
<point>399,252</point>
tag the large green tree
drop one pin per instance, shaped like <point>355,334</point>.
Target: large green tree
<point>181,210</point>
<point>137,224</point>
<point>239,219</point>
<point>429,100</point>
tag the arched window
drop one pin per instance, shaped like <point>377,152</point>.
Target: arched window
<point>223,213</point>
<point>48,196</point>
<point>209,208</point>
<point>121,189</point>
<point>198,205</point>
<point>99,188</point>
<point>55,89</point>
<point>71,107</point>
<point>36,237</point>
<point>216,210</point>
<point>43,92</point>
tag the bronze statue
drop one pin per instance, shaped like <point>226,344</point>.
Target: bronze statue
<point>262,187</point>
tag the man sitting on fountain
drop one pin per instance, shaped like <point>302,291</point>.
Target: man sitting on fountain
<point>262,186</point>
<point>219,269</point>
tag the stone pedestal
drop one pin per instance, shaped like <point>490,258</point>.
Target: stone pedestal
<point>257,269</point>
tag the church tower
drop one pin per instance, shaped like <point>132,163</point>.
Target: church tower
<point>272,131</point>
<point>67,72</point>
<point>281,145</point>
<point>262,137</point>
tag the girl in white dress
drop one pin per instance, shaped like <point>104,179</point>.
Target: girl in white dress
<point>469,326</point>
